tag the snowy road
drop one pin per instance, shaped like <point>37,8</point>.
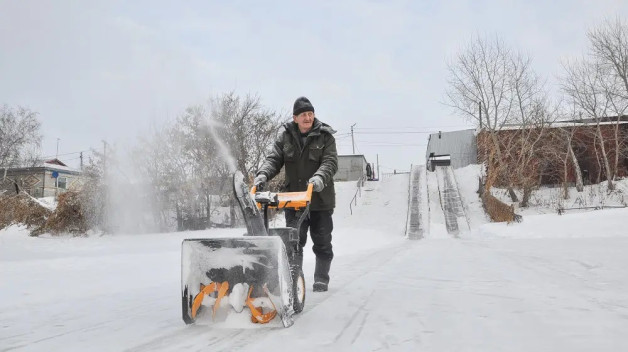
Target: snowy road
<point>490,290</point>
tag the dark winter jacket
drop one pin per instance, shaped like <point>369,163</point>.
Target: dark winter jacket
<point>317,156</point>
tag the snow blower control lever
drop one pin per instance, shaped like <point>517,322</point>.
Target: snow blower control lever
<point>292,200</point>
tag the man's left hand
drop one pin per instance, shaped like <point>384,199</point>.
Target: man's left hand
<point>317,181</point>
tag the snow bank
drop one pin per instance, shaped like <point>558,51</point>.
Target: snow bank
<point>602,223</point>
<point>549,199</point>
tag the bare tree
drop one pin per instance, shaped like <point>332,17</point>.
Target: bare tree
<point>19,135</point>
<point>19,140</point>
<point>583,84</point>
<point>494,86</point>
<point>609,48</point>
<point>558,149</point>
<point>609,45</point>
<point>568,137</point>
<point>192,160</point>
<point>248,127</point>
<point>533,115</point>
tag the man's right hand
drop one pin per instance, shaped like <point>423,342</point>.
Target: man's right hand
<point>260,181</point>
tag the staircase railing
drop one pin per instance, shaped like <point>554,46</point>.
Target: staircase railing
<point>354,200</point>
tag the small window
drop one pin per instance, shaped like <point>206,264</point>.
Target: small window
<point>62,182</point>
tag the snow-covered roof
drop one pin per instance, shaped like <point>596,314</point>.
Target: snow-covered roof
<point>570,123</point>
<point>57,167</point>
<point>48,166</point>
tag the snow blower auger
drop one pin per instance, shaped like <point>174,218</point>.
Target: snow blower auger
<point>261,271</point>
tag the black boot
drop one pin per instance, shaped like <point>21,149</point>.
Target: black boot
<point>321,275</point>
<point>320,287</point>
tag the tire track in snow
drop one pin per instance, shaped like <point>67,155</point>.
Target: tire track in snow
<point>359,332</point>
<point>358,269</point>
<point>349,269</point>
<point>190,339</point>
<point>353,317</point>
<point>77,325</point>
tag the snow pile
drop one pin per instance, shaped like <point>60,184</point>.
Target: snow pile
<point>48,202</point>
<point>606,223</point>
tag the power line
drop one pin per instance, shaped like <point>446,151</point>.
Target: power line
<point>399,132</point>
<point>395,144</point>
<point>412,127</point>
<point>54,156</point>
<point>387,145</point>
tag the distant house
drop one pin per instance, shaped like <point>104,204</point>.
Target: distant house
<point>455,148</point>
<point>50,178</point>
<point>350,167</point>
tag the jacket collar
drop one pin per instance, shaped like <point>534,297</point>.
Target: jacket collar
<point>317,128</point>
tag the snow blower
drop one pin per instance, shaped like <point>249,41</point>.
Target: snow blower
<point>253,279</point>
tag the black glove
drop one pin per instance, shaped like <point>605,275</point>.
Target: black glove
<point>260,181</point>
<point>318,183</point>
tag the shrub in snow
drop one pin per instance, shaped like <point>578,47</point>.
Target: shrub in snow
<point>23,209</point>
<point>69,215</point>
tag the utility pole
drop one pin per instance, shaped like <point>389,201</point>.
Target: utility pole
<point>57,156</point>
<point>480,107</point>
<point>352,142</point>
<point>81,161</point>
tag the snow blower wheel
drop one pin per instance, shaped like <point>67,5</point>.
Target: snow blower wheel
<point>298,291</point>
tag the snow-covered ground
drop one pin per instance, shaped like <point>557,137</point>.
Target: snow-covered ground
<point>549,199</point>
<point>551,283</point>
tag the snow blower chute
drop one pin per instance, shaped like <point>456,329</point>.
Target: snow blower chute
<point>255,278</point>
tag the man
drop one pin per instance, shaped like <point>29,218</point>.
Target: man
<point>307,148</point>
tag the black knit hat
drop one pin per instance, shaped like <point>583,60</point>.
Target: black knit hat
<point>301,105</point>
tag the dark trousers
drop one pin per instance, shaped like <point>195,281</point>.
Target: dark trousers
<point>321,225</point>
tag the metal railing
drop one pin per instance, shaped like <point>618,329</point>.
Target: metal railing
<point>562,210</point>
<point>354,200</point>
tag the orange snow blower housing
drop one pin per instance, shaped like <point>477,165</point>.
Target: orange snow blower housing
<point>261,271</point>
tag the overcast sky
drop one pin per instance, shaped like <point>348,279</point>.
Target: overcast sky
<point>108,70</point>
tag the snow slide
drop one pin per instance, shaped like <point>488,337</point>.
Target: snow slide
<point>451,204</point>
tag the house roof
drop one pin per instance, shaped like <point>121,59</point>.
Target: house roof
<point>54,165</point>
<point>58,167</point>
<point>613,119</point>
<point>607,120</point>
<point>55,162</point>
<point>353,156</point>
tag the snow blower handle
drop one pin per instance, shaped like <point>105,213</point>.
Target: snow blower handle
<point>291,200</point>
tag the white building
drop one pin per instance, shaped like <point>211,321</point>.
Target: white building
<point>351,167</point>
<point>455,148</point>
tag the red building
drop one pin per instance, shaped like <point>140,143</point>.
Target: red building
<point>542,155</point>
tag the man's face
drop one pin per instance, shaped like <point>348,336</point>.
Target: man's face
<point>305,120</point>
